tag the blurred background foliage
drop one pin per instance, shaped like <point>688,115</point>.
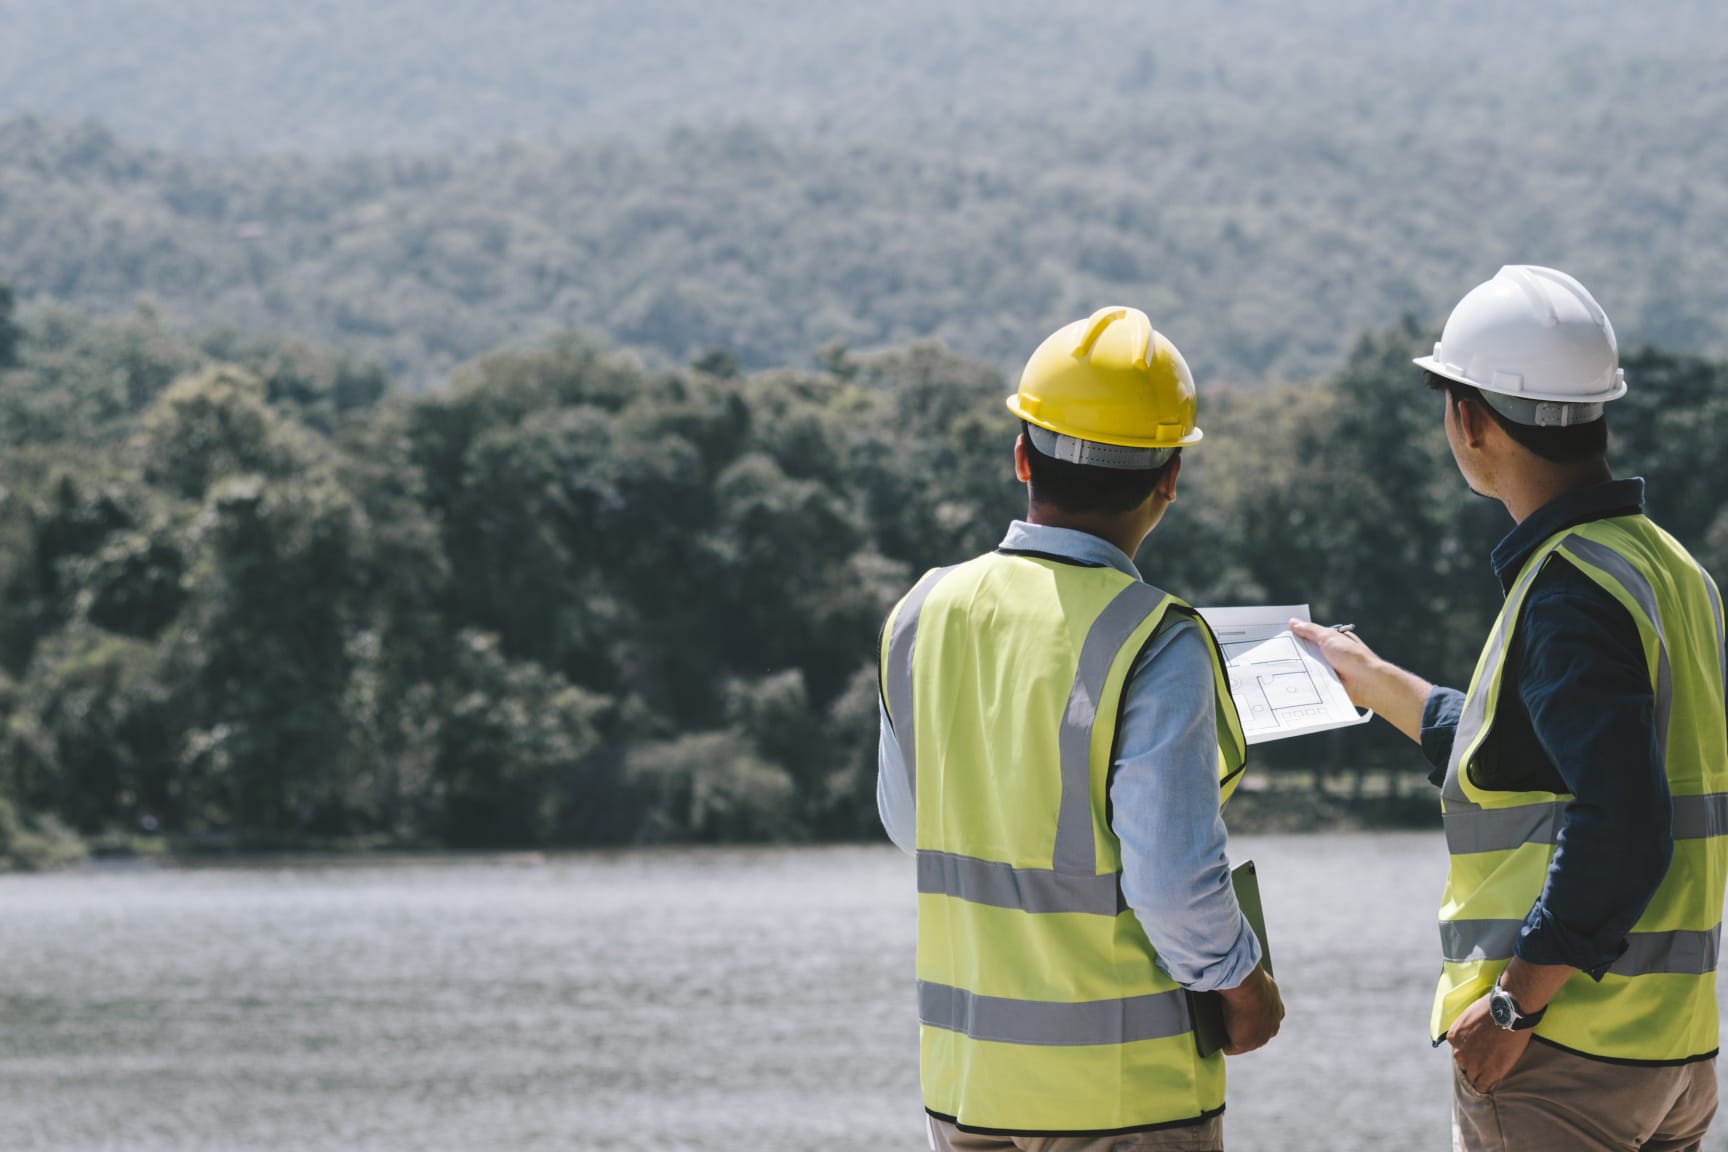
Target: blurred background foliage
<point>510,428</point>
<point>252,597</point>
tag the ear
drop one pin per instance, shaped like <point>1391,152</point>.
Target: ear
<point>1022,466</point>
<point>1167,483</point>
<point>1473,422</point>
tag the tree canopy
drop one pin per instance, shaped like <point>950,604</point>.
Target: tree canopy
<point>250,596</point>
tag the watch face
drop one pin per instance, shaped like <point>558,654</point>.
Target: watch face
<point>1500,1008</point>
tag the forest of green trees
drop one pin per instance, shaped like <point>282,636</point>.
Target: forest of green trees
<point>250,595</point>
<point>510,428</point>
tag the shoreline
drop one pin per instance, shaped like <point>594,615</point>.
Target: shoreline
<point>1257,811</point>
<point>1289,810</point>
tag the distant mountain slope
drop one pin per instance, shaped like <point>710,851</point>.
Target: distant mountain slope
<point>328,76</point>
<point>1267,177</point>
<point>1264,256</point>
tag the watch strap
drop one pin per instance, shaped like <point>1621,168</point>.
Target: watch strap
<point>1520,1018</point>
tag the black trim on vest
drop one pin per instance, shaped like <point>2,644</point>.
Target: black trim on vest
<point>1629,1063</point>
<point>1710,1055</point>
<point>1093,1132</point>
<point>1053,558</point>
<point>881,672</point>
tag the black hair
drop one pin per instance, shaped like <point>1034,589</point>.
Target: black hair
<point>1570,445</point>
<point>1086,488</point>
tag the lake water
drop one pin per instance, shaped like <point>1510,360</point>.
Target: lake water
<point>729,999</point>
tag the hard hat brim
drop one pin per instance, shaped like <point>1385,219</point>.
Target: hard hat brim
<point>1448,372</point>
<point>1193,437</point>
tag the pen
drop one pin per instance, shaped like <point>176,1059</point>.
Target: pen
<point>1343,627</point>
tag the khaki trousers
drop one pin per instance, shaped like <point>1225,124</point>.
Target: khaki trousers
<point>1553,1099</point>
<point>1206,1136</point>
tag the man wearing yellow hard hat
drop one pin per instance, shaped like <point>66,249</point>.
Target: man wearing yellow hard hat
<point>1057,741</point>
<point>1584,774</point>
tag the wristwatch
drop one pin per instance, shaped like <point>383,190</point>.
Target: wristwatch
<point>1507,1014</point>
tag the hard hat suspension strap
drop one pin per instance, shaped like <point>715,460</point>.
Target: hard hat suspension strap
<point>1074,450</point>
<point>1541,413</point>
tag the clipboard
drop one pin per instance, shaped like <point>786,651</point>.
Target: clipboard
<point>1206,1009</point>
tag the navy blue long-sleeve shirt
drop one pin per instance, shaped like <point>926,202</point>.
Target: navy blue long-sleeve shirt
<point>1575,715</point>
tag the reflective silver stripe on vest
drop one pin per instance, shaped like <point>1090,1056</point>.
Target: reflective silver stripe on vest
<point>1050,1023</point>
<point>1075,851</point>
<point>1475,713</point>
<point>1503,829</point>
<point>1462,941</point>
<point>1700,817</point>
<point>1679,953</point>
<point>1682,952</point>
<point>1027,889</point>
<point>1629,578</point>
<point>897,676</point>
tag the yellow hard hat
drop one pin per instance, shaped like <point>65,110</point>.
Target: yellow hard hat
<point>1110,379</point>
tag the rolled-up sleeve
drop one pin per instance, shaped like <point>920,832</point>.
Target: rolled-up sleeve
<point>1440,714</point>
<point>1164,799</point>
<point>1584,679</point>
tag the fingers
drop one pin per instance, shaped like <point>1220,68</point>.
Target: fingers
<point>1458,1059</point>
<point>1485,1056</point>
<point>1238,1045</point>
<point>1254,1027</point>
<point>1480,1081</point>
<point>1324,635</point>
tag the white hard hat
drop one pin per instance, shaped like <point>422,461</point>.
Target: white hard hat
<point>1538,341</point>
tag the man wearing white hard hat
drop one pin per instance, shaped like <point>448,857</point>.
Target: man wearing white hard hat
<point>1584,773</point>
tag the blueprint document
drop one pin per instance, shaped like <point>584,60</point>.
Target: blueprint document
<point>1282,686</point>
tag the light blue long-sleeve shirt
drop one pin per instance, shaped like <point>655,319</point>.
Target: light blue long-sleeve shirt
<point>1163,792</point>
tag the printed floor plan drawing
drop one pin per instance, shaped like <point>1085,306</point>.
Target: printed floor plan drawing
<point>1282,686</point>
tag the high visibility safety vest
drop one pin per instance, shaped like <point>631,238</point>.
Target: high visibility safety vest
<point>1657,1004</point>
<point>1041,1010</point>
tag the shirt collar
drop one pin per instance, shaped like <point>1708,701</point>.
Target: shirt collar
<point>1067,544</point>
<point>1592,502</point>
